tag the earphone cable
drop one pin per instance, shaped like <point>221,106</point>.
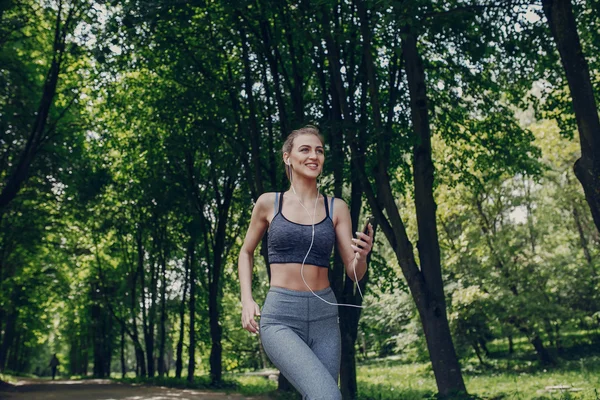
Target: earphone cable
<point>312,240</point>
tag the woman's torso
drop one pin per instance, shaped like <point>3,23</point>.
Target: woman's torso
<point>290,234</point>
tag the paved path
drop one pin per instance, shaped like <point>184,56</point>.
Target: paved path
<point>103,389</point>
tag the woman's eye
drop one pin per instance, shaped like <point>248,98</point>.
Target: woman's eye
<point>320,152</point>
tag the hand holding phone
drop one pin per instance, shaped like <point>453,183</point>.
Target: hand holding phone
<point>370,220</point>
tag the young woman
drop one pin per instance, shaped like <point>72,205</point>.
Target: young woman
<point>299,324</point>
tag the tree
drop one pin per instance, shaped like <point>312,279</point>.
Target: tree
<point>560,17</point>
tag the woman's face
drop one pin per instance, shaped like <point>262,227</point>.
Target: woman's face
<point>307,155</point>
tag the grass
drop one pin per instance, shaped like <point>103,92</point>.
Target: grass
<point>516,376</point>
<point>389,379</point>
<point>582,374</point>
<point>7,378</point>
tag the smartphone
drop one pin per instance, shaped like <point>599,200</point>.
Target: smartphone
<point>370,220</point>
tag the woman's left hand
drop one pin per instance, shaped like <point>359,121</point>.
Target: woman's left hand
<point>363,243</point>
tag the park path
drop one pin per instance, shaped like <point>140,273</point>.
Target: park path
<point>104,389</point>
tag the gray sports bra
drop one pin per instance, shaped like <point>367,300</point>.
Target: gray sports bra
<point>288,241</point>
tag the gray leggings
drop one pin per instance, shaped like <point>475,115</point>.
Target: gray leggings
<point>301,335</point>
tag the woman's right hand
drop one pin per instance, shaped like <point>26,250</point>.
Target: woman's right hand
<point>249,310</point>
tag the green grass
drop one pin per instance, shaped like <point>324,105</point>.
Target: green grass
<point>504,376</point>
<point>7,378</point>
<point>389,379</point>
<point>516,376</point>
<point>582,374</point>
<point>254,385</point>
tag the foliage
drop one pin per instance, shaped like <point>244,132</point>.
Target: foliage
<point>165,127</point>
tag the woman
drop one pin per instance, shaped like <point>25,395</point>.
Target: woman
<point>299,323</point>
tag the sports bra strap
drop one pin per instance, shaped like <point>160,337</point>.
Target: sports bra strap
<point>331,208</point>
<point>277,205</point>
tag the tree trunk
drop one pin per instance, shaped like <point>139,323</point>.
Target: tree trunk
<point>7,338</point>
<point>433,309</point>
<point>426,285</point>
<point>254,132</point>
<point>149,329</point>
<point>123,365</point>
<point>296,86</point>
<point>216,333</point>
<point>21,172</point>
<point>559,14</point>
<point>147,325</point>
<point>163,312</point>
<point>215,288</point>
<point>270,47</point>
<point>192,312</point>
<point>98,332</point>
<point>543,355</point>
<point>179,362</point>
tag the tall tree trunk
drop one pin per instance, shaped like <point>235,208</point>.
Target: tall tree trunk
<point>123,364</point>
<point>254,132</point>
<point>149,337</point>
<point>7,338</point>
<point>270,49</point>
<point>192,312</point>
<point>343,286</point>
<point>215,289</point>
<point>163,311</point>
<point>425,284</point>
<point>296,86</point>
<point>21,172</point>
<point>433,309</point>
<point>559,14</point>
<point>98,332</point>
<point>271,134</point>
<point>139,273</point>
<point>179,362</point>
<point>147,323</point>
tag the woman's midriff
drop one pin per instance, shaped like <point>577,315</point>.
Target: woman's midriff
<point>288,276</point>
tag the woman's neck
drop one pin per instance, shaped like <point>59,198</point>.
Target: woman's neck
<point>304,189</point>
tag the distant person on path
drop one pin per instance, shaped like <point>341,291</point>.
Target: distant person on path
<point>54,363</point>
<point>299,327</point>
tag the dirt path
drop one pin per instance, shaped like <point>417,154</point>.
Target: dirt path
<point>103,389</point>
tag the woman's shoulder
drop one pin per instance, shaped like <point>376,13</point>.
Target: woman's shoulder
<point>266,199</point>
<point>336,200</point>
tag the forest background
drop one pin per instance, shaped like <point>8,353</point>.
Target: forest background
<point>135,137</point>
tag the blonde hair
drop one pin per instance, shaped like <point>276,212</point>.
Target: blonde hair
<point>288,145</point>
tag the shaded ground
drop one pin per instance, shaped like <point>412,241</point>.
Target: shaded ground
<point>103,389</point>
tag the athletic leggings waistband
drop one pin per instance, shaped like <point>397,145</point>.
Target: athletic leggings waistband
<point>301,293</point>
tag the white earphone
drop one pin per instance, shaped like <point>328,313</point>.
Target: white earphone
<point>312,241</point>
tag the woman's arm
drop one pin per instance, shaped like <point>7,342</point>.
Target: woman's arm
<point>347,245</point>
<point>258,225</point>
